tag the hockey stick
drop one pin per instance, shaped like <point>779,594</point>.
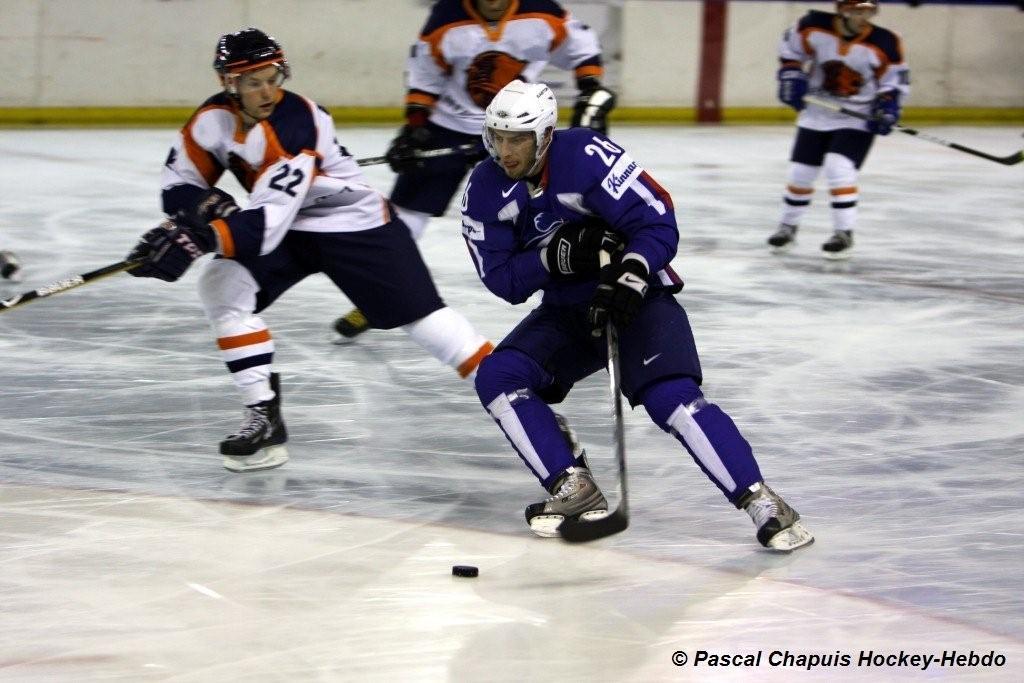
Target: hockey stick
<point>1010,160</point>
<point>424,154</point>
<point>579,531</point>
<point>70,283</point>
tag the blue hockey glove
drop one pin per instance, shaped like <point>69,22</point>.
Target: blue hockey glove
<point>885,113</point>
<point>574,247</point>
<point>619,296</point>
<point>792,86</point>
<point>171,247</point>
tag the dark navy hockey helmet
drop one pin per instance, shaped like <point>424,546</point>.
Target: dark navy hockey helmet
<point>846,5</point>
<point>246,50</point>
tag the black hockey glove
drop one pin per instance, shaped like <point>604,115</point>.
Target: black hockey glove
<point>401,155</point>
<point>574,248</point>
<point>171,247</point>
<point>592,106</point>
<point>619,296</point>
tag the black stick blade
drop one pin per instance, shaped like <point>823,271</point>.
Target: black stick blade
<point>579,531</point>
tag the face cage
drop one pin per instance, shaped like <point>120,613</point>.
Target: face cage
<point>284,72</point>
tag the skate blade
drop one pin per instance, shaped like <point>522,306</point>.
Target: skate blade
<point>784,249</point>
<point>546,526</point>
<point>788,540</point>
<point>266,459</point>
<point>340,340</point>
<point>837,255</point>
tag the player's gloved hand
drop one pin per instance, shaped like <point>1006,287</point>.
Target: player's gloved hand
<point>170,248</point>
<point>885,113</point>
<point>213,204</point>
<point>574,247</point>
<point>619,296</point>
<point>792,85</point>
<point>401,155</point>
<point>592,105</point>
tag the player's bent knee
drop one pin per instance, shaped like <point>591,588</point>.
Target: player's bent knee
<point>663,398</point>
<point>506,371</point>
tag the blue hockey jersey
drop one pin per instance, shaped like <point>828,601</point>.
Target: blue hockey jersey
<point>506,222</point>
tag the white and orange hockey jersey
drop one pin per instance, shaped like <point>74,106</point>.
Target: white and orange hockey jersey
<point>852,71</point>
<point>297,175</point>
<point>461,60</point>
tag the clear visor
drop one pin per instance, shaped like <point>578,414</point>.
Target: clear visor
<point>237,81</point>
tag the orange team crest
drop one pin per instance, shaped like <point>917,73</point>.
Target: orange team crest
<point>490,72</point>
<point>841,80</point>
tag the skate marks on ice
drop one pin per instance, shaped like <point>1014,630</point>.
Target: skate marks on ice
<point>144,585</point>
<point>882,397</point>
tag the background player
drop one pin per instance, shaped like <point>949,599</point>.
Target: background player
<point>310,210</point>
<point>842,55</point>
<point>535,216</point>
<point>467,51</point>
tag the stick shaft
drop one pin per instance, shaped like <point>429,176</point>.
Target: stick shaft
<point>423,154</point>
<point>1010,160</point>
<point>62,286</point>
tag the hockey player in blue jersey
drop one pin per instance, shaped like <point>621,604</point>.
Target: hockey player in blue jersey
<point>535,217</point>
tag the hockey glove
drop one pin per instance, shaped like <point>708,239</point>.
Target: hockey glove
<point>592,106</point>
<point>885,113</point>
<point>619,296</point>
<point>792,85</point>
<point>574,247</point>
<point>412,138</point>
<point>171,247</point>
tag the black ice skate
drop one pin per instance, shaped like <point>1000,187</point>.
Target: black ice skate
<point>839,245</point>
<point>783,238</point>
<point>259,442</point>
<point>575,495</point>
<point>350,326</point>
<point>778,525</point>
<point>9,266</point>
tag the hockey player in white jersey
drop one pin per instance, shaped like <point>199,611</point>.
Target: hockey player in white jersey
<point>310,211</point>
<point>466,52</point>
<point>845,57</point>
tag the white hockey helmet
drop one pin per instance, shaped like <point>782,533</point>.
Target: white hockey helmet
<point>522,108</point>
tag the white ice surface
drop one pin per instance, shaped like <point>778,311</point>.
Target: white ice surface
<point>884,398</point>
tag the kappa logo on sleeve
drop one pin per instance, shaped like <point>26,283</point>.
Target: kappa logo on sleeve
<point>622,175</point>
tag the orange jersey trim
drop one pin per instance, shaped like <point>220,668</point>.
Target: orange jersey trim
<point>258,337</point>
<point>227,242</point>
<point>197,154</point>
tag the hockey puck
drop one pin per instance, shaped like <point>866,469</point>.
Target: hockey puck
<point>465,570</point>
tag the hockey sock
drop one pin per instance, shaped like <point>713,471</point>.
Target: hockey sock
<point>711,437</point>
<point>248,350</point>
<point>842,181</point>
<point>448,337</point>
<point>797,197</point>
<point>505,384</point>
<point>416,221</point>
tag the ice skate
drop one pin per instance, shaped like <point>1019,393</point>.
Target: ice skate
<point>839,245</point>
<point>783,238</point>
<point>350,326</point>
<point>259,442</point>
<point>576,495</point>
<point>10,268</point>
<point>778,525</point>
